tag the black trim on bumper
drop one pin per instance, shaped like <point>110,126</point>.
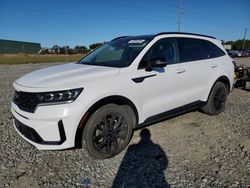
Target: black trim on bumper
<point>32,135</point>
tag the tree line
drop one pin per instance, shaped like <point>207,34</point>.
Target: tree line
<point>67,50</point>
<point>238,44</point>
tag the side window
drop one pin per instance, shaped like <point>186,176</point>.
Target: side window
<point>164,49</point>
<point>192,50</point>
<point>214,51</point>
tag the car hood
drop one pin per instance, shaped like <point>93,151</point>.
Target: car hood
<point>65,76</point>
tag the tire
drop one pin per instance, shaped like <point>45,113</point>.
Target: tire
<point>217,99</point>
<point>108,130</point>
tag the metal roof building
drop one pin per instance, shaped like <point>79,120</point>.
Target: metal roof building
<point>14,47</point>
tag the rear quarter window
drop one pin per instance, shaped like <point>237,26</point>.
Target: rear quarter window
<point>214,51</point>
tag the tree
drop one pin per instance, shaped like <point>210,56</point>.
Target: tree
<point>238,44</point>
<point>56,49</point>
<point>81,49</point>
<point>94,46</point>
<point>229,42</point>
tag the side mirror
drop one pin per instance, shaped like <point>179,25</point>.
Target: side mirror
<point>159,62</point>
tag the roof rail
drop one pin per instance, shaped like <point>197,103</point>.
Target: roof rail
<point>119,38</point>
<point>184,34</point>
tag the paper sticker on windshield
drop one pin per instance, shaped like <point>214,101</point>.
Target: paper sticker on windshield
<point>139,41</point>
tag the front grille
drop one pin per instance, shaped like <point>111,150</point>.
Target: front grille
<point>26,101</point>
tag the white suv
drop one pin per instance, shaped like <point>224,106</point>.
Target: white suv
<point>126,83</point>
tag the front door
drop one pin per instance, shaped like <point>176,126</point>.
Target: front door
<point>162,88</point>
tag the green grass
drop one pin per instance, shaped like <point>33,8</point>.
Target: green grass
<point>23,58</point>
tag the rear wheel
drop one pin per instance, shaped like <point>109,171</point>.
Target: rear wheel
<point>217,99</point>
<point>109,130</point>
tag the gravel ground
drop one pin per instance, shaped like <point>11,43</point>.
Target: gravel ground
<point>192,150</point>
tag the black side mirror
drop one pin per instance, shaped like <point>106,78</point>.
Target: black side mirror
<point>159,62</point>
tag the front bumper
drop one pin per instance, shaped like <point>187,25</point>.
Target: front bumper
<point>50,127</point>
<point>32,135</point>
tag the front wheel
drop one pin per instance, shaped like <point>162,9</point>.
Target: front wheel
<point>108,130</point>
<point>216,100</point>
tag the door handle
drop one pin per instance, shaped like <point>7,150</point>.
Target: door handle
<point>179,71</point>
<point>213,66</point>
<point>140,79</point>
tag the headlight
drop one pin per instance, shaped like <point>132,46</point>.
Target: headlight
<point>59,96</point>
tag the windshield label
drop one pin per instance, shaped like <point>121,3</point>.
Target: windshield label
<point>136,41</point>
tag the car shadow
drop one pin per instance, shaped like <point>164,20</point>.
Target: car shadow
<point>143,165</point>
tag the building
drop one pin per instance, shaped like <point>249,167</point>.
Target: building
<point>14,47</point>
<point>227,46</point>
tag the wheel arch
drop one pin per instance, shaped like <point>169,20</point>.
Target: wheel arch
<point>225,80</point>
<point>114,99</point>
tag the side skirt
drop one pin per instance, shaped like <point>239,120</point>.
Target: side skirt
<point>171,113</point>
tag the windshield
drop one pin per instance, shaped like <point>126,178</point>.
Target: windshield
<point>117,53</point>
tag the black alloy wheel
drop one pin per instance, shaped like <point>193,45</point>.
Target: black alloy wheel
<point>217,99</point>
<point>110,133</point>
<point>220,99</point>
<point>108,130</point>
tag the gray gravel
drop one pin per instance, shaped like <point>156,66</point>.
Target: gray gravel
<point>192,150</point>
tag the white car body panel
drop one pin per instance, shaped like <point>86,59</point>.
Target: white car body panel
<point>65,76</point>
<point>172,86</point>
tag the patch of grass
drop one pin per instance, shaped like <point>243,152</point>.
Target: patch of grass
<point>25,58</point>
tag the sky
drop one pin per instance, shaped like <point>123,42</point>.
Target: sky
<point>84,22</point>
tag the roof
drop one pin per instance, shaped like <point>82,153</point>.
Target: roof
<point>136,37</point>
<point>162,33</point>
<point>7,40</point>
<point>183,33</point>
